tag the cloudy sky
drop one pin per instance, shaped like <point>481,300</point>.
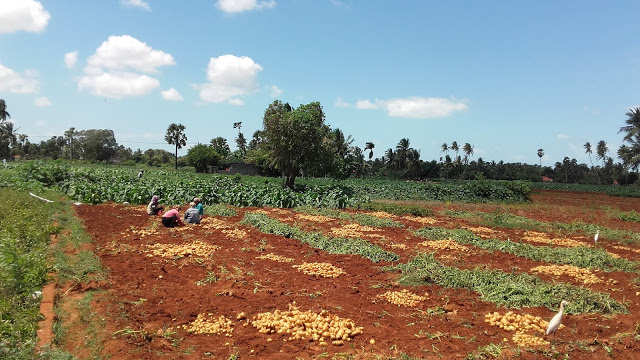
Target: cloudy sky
<point>509,77</point>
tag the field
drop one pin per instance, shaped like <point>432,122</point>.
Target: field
<point>274,283</point>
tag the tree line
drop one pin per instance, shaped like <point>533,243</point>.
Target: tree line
<point>296,142</point>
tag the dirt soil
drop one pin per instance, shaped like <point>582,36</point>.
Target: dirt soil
<point>150,299</point>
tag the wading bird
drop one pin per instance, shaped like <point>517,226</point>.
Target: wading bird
<point>554,324</point>
<point>595,238</point>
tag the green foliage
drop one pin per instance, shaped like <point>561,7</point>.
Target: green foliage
<point>397,209</point>
<point>318,240</point>
<point>625,191</point>
<point>506,289</point>
<point>629,216</point>
<point>581,256</point>
<point>201,156</point>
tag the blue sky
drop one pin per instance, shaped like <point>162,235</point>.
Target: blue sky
<point>509,77</point>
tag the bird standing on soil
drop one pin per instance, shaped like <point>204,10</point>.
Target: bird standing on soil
<point>595,238</point>
<point>554,324</point>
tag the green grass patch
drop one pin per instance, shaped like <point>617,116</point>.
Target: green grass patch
<point>629,216</point>
<point>506,289</point>
<point>580,256</point>
<point>318,240</point>
<point>219,210</point>
<point>362,219</point>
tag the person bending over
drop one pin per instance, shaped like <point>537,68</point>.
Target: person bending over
<point>191,216</point>
<point>172,217</point>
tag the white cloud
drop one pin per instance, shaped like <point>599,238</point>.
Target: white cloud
<point>275,91</point>
<point>42,102</point>
<point>341,103</point>
<point>416,107</point>
<point>136,3</point>
<point>71,58</point>
<point>26,15</point>
<point>237,6</point>
<point>118,85</point>
<point>13,82</point>
<point>172,95</point>
<point>230,77</point>
<point>339,4</point>
<point>562,136</point>
<point>114,70</point>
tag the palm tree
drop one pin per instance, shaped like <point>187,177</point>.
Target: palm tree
<point>369,146</point>
<point>601,151</point>
<point>4,115</point>
<point>631,129</point>
<point>401,153</point>
<point>237,125</point>
<point>241,143</point>
<point>630,155</point>
<point>454,146</point>
<point>389,157</point>
<point>175,136</point>
<point>588,151</point>
<point>445,148</point>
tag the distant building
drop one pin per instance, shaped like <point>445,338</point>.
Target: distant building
<point>547,179</point>
<point>236,168</point>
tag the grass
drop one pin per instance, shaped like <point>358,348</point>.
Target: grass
<point>318,240</point>
<point>506,289</point>
<point>397,209</point>
<point>580,256</point>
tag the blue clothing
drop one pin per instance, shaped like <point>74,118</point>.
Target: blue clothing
<point>200,209</point>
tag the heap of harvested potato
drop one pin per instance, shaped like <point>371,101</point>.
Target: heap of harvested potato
<point>197,248</point>
<point>584,275</point>
<point>626,248</point>
<point>421,219</point>
<point>402,298</point>
<point>320,269</point>
<point>444,245</point>
<point>314,218</point>
<point>521,324</point>
<point>235,233</point>
<point>274,257</point>
<point>355,231</point>
<point>482,231</point>
<point>209,324</point>
<point>307,325</point>
<point>213,223</point>
<point>145,232</point>
<point>381,214</point>
<point>545,239</point>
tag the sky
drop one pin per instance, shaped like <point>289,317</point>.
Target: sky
<point>508,77</point>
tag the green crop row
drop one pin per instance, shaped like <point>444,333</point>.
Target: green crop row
<point>581,256</point>
<point>507,289</point>
<point>318,240</point>
<point>360,218</point>
<point>626,191</point>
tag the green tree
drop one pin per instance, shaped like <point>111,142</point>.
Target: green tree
<point>4,115</point>
<point>588,151</point>
<point>175,136</point>
<point>402,151</point>
<point>454,146</point>
<point>220,145</point>
<point>69,135</point>
<point>96,144</point>
<point>630,153</point>
<point>601,151</point>
<point>241,143</point>
<point>201,156</point>
<point>8,138</point>
<point>445,148</point>
<point>294,138</point>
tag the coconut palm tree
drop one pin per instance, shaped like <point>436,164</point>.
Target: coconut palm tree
<point>601,151</point>
<point>4,115</point>
<point>175,136</point>
<point>389,157</point>
<point>445,148</point>
<point>588,151</point>
<point>401,153</point>
<point>241,143</point>
<point>632,128</point>
<point>454,146</point>
<point>369,146</point>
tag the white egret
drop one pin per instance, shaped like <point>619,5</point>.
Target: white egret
<point>595,238</point>
<point>554,324</point>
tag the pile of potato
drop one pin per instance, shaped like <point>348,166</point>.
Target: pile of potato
<point>213,223</point>
<point>482,231</point>
<point>444,245</point>
<point>307,325</point>
<point>274,257</point>
<point>209,324</point>
<point>346,232</point>
<point>197,248</point>
<point>144,232</point>
<point>314,218</point>
<point>521,324</point>
<point>545,239</point>
<point>420,219</point>
<point>584,275</point>
<point>320,269</point>
<point>626,248</point>
<point>236,233</point>
<point>382,214</point>
<point>528,340</point>
<point>402,298</point>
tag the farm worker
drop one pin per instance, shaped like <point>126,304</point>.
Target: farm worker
<point>191,216</point>
<point>172,217</point>
<point>154,208</point>
<point>199,206</point>
<point>140,174</point>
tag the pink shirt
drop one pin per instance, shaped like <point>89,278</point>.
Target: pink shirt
<point>170,213</point>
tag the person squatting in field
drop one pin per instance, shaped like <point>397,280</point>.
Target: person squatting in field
<point>192,216</point>
<point>154,208</point>
<point>172,217</point>
<point>199,206</point>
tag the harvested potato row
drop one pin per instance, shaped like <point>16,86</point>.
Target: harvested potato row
<point>518,323</point>
<point>209,324</point>
<point>320,269</point>
<point>398,246</point>
<point>545,239</point>
<point>402,298</point>
<point>213,223</point>
<point>358,227</point>
<point>626,248</point>
<point>381,214</point>
<point>350,233</point>
<point>482,231</point>
<point>307,325</point>
<point>236,233</point>
<point>444,245</point>
<point>145,232</point>
<point>528,340</point>
<point>584,275</point>
<point>314,218</point>
<point>197,247</point>
<point>421,219</point>
<point>274,257</point>
<point>356,231</point>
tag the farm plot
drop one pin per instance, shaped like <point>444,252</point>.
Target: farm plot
<point>279,283</point>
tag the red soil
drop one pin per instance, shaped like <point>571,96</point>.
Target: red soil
<point>155,296</point>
